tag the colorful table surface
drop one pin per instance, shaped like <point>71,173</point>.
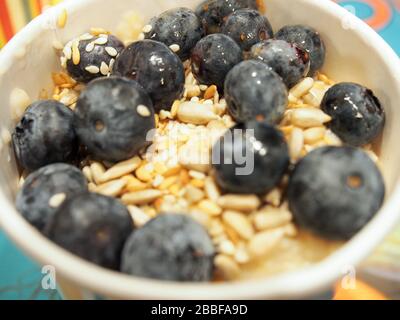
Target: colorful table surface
<point>20,277</point>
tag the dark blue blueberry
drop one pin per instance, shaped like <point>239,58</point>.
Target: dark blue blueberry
<point>357,115</point>
<point>250,158</point>
<point>307,39</point>
<point>287,60</point>
<point>33,199</point>
<point>156,68</point>
<point>213,57</point>
<point>98,54</point>
<point>213,13</point>
<point>254,91</point>
<point>92,226</point>
<point>109,118</point>
<point>247,27</point>
<point>179,26</point>
<point>335,191</point>
<point>45,135</point>
<point>170,247</point>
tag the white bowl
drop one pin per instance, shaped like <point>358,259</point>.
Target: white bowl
<point>354,54</point>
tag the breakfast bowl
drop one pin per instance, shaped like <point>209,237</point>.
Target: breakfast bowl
<point>355,53</point>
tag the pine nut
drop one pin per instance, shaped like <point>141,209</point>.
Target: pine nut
<point>246,203</point>
<point>201,217</point>
<point>97,172</point>
<point>211,189</point>
<point>309,117</point>
<point>274,197</point>
<point>263,243</point>
<point>227,267</point>
<point>141,197</point>
<point>193,194</point>
<point>210,207</point>
<point>271,218</point>
<point>121,169</point>
<point>227,247</point>
<point>144,174</point>
<point>134,184</point>
<point>242,256</point>
<point>112,188</point>
<point>87,173</point>
<point>239,223</point>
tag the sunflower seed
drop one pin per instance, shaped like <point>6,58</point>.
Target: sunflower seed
<point>308,117</point>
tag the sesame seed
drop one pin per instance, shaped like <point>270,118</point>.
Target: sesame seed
<point>101,40</point>
<point>147,28</point>
<point>143,111</point>
<point>76,56</point>
<point>67,52</point>
<point>92,69</point>
<point>56,200</point>
<point>175,47</point>
<point>90,47</point>
<point>63,61</point>
<point>111,65</point>
<point>62,19</point>
<point>104,69</point>
<point>111,51</point>
<point>85,37</point>
<point>97,31</point>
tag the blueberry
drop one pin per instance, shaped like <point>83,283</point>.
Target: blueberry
<point>45,135</point>
<point>250,158</point>
<point>357,115</point>
<point>179,26</point>
<point>34,199</point>
<point>287,60</point>
<point>156,68</point>
<point>247,27</point>
<point>170,247</point>
<point>92,226</point>
<point>254,91</point>
<point>96,56</point>
<point>335,191</point>
<point>113,118</point>
<point>307,39</point>
<point>213,57</point>
<point>213,13</point>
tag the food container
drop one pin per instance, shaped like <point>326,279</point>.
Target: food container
<point>355,53</point>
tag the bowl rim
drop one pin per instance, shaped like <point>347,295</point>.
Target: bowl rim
<point>114,284</point>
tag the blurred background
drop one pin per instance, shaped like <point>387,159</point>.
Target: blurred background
<point>20,278</point>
